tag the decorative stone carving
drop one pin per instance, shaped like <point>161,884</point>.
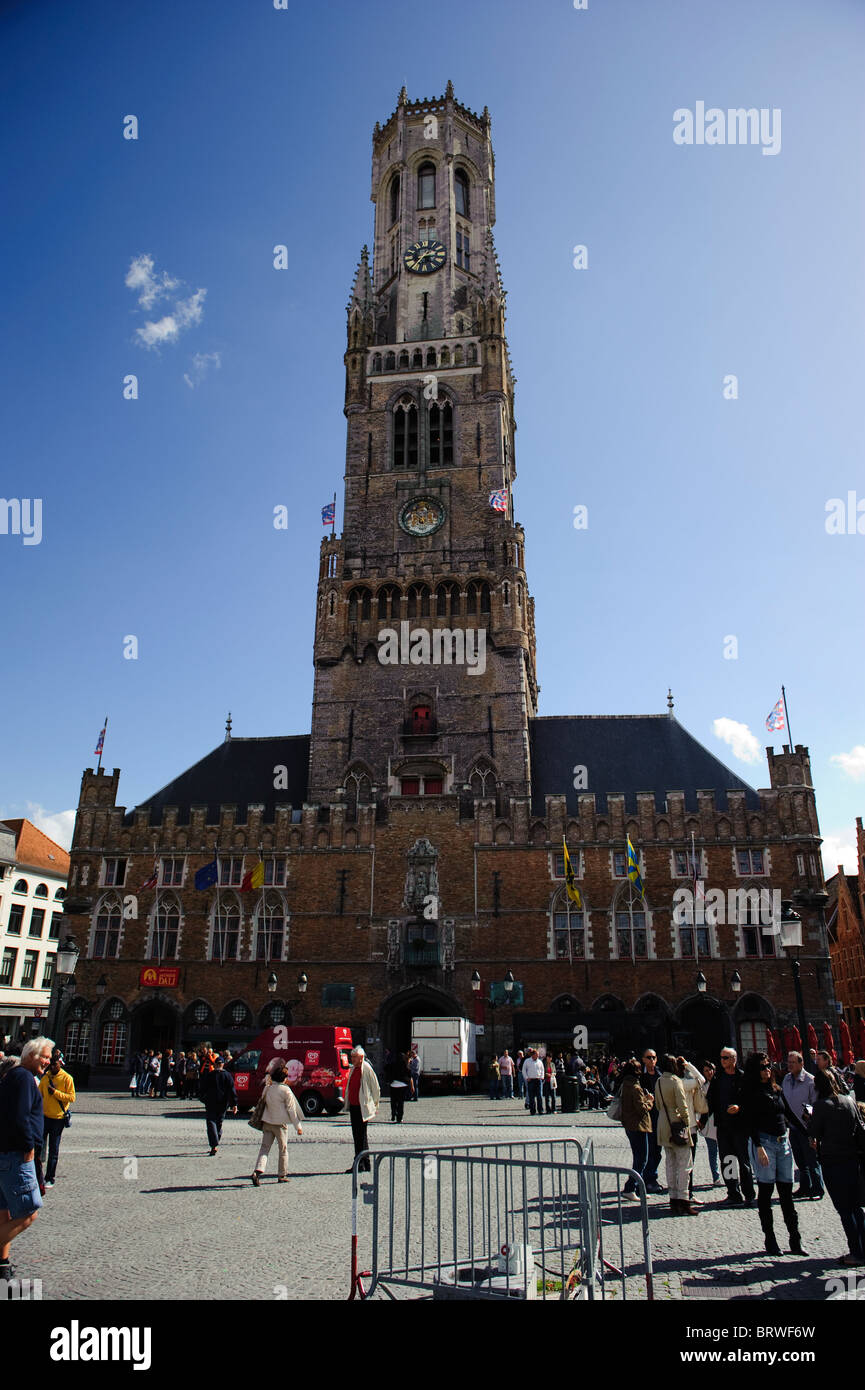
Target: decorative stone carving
<point>422,875</point>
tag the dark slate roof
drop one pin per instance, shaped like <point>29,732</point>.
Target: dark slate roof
<point>625,754</point>
<point>237,772</point>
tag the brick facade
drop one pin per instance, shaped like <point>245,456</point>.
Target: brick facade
<point>427,780</point>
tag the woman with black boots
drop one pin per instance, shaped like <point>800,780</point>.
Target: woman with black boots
<point>769,1117</point>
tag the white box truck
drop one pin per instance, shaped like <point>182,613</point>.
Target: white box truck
<point>446,1049</point>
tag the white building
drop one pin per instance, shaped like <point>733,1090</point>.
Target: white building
<point>33,874</point>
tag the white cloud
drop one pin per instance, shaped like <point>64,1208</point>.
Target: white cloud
<point>58,826</point>
<point>852,764</point>
<point>739,738</point>
<point>838,849</point>
<point>201,364</point>
<point>150,287</point>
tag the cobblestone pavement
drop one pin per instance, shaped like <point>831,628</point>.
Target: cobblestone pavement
<point>141,1211</point>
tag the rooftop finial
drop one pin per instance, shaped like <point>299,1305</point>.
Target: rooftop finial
<point>670,702</point>
<point>449,90</point>
<point>228,728</point>
<point>403,96</point>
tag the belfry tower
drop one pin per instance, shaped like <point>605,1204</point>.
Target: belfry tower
<point>424,640</point>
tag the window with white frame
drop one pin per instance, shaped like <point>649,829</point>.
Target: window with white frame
<point>166,930</point>
<point>569,934</point>
<point>77,1040</point>
<point>231,871</point>
<point>576,858</point>
<point>106,929</point>
<point>620,863</point>
<point>226,933</point>
<point>631,935</point>
<point>172,873</point>
<point>114,873</point>
<point>750,861</point>
<point>274,871</point>
<point>270,928</point>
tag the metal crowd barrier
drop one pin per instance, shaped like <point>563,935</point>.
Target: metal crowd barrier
<point>493,1221</point>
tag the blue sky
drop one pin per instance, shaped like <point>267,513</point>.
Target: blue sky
<point>706,516</point>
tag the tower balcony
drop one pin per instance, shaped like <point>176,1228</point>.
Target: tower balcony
<point>438,355</point>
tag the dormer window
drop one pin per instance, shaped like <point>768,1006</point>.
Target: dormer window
<point>426,186</point>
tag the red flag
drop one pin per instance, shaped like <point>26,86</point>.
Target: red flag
<point>812,1037</point>
<point>795,1044</point>
<point>846,1044</point>
<point>829,1043</point>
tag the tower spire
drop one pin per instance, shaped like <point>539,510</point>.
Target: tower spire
<point>228,728</point>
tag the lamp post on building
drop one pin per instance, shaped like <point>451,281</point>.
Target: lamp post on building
<point>791,940</point>
<point>508,985</point>
<point>64,975</point>
<point>735,985</point>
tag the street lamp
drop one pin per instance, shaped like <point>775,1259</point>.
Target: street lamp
<point>302,983</point>
<point>791,940</point>
<point>735,982</point>
<point>65,963</point>
<point>509,982</point>
<point>272,982</point>
<point>476,981</point>
<point>701,982</point>
<point>101,985</point>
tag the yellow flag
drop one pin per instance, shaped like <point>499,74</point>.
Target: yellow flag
<point>570,879</point>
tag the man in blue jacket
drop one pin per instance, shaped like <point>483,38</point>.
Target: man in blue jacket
<point>21,1133</point>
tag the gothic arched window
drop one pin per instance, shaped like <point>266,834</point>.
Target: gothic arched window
<point>447,601</point>
<point>390,362</point>
<point>417,358</point>
<point>359,605</point>
<point>441,434</point>
<point>165,930</point>
<point>418,601</point>
<point>388,601</point>
<point>478,596</point>
<point>225,941</point>
<point>481,777</point>
<point>405,433</point>
<point>270,928</point>
<point>461,193</point>
<point>106,929</point>
<point>358,792</point>
<point>394,199</point>
<point>426,186</point>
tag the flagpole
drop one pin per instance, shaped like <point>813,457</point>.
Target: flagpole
<point>263,911</point>
<point>694,910</point>
<point>218,908</point>
<point>787,717</point>
<point>333,523</point>
<point>102,742</point>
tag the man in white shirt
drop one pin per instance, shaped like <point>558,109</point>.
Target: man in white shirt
<point>533,1072</point>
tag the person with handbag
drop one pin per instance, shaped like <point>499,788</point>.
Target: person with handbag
<point>219,1096</point>
<point>674,1135</point>
<point>837,1132</point>
<point>768,1118</point>
<point>58,1093</point>
<point>696,1102</point>
<point>276,1110</point>
<point>550,1086</point>
<point>634,1106</point>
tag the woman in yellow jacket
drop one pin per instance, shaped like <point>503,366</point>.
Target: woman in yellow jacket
<point>58,1093</point>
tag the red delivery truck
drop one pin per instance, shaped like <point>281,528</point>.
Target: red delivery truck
<point>317,1061</point>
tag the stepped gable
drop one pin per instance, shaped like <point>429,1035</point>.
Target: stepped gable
<point>625,754</point>
<point>237,772</point>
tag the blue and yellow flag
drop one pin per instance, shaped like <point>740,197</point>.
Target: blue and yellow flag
<point>634,868</point>
<point>571,879</point>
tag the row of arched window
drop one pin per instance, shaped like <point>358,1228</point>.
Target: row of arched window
<point>40,891</point>
<point>268,922</point>
<point>426,191</point>
<point>421,602</point>
<point>420,360</point>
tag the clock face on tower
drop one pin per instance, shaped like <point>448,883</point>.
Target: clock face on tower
<point>421,516</point>
<point>423,257</point>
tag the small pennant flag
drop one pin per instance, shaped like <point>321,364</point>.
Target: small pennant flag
<point>328,514</point>
<point>206,877</point>
<point>499,499</point>
<point>775,718</point>
<point>253,878</point>
<point>152,881</point>
<point>634,868</point>
<point>571,879</point>
<point>100,742</point>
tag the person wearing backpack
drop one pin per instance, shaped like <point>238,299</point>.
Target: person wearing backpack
<point>636,1108</point>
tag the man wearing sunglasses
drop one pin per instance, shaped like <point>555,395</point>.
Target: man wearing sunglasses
<point>649,1078</point>
<point>724,1099</point>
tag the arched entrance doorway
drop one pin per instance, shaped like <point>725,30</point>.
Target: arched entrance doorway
<point>702,1029</point>
<point>419,1001</point>
<point>155,1024</point>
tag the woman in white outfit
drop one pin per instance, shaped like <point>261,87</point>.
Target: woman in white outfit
<point>280,1110</point>
<point>674,1136</point>
<point>692,1084</point>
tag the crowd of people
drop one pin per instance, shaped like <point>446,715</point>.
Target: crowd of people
<point>512,1077</point>
<point>160,1074</point>
<point>759,1122</point>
